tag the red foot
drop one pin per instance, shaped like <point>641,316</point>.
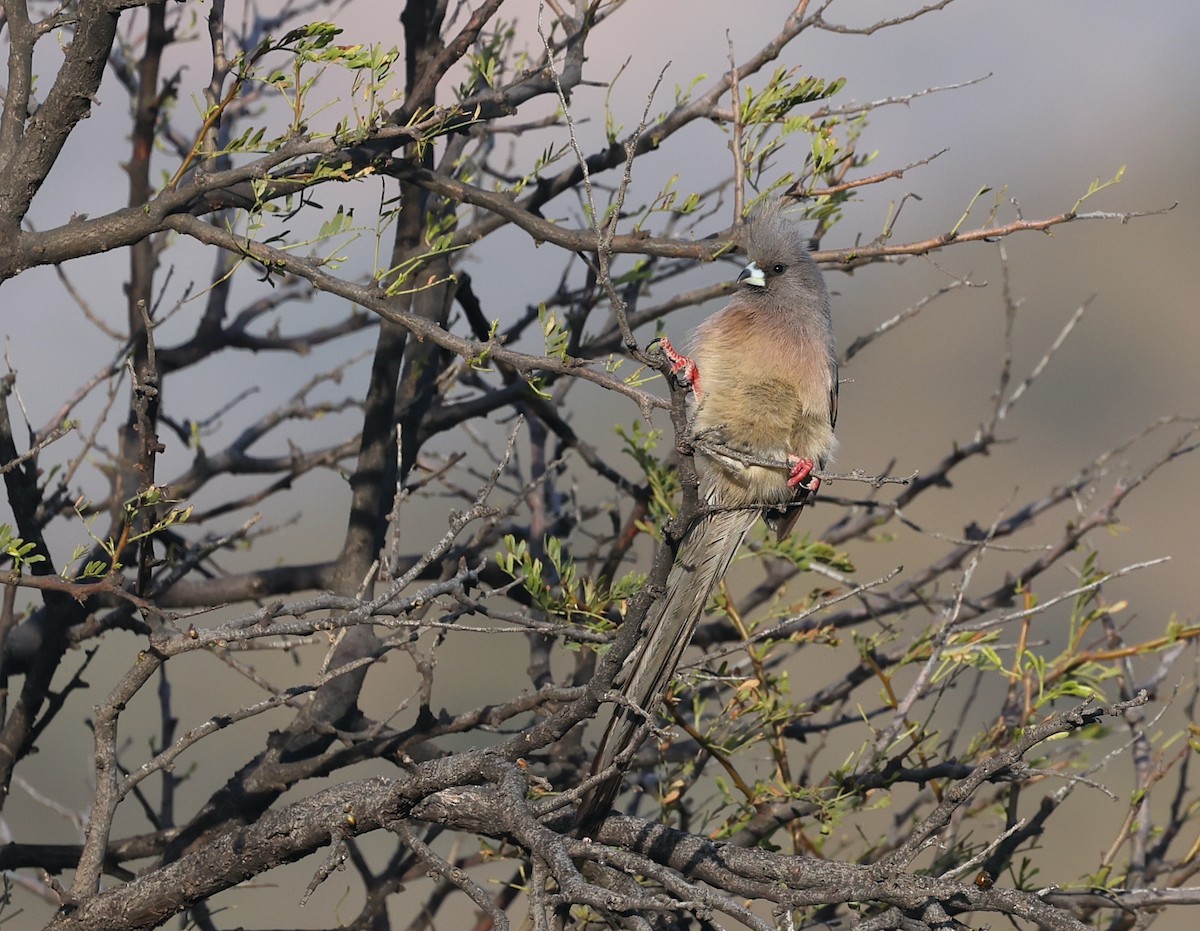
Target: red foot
<point>682,367</point>
<point>801,475</point>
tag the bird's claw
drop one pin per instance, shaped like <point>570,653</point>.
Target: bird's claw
<point>683,368</point>
<point>801,475</point>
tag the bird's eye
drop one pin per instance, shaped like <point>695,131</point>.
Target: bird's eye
<point>778,268</point>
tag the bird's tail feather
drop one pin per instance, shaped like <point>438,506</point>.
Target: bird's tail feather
<point>704,555</point>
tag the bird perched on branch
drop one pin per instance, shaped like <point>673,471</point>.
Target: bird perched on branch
<point>763,378</point>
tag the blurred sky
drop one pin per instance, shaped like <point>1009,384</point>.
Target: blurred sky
<point>1076,90</point>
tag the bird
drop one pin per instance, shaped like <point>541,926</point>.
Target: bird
<point>763,380</point>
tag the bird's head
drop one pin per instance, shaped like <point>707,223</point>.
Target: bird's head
<point>778,254</point>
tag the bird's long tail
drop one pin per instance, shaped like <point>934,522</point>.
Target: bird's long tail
<point>704,555</point>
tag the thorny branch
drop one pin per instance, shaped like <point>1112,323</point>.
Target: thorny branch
<point>557,543</point>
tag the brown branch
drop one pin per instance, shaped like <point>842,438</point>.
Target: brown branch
<point>507,208</point>
<point>374,300</point>
<point>821,23</point>
<point>801,194</point>
<point>54,858</point>
<point>924,833</point>
<point>31,153</point>
<point>855,257</point>
<point>720,450</point>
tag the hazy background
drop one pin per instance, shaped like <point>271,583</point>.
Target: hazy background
<point>1076,90</point>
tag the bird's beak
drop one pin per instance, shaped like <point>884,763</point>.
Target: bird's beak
<point>753,275</point>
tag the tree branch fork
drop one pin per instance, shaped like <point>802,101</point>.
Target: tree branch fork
<point>488,792</point>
